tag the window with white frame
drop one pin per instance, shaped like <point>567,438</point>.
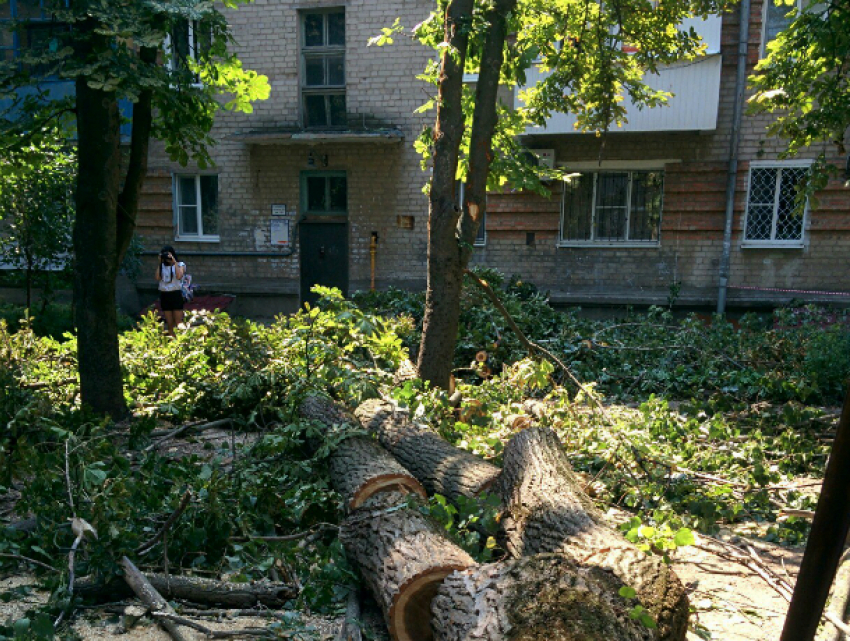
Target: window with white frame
<point>777,17</point>
<point>187,41</point>
<point>323,68</point>
<point>481,234</point>
<point>611,207</point>
<point>196,206</point>
<point>775,212</point>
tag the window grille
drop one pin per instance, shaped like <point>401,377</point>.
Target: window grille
<point>774,211</point>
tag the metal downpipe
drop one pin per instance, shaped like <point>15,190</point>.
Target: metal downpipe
<point>732,171</point>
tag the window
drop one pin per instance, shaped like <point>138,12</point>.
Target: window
<point>777,17</point>
<point>38,33</point>
<point>187,41</point>
<point>196,207</point>
<point>324,193</point>
<point>773,215</point>
<point>612,207</point>
<point>323,68</point>
<point>481,234</point>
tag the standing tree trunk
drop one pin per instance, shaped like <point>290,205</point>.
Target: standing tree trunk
<point>95,250</point>
<point>445,269</point>
<point>451,232</point>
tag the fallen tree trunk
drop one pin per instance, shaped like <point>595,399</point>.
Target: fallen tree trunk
<point>403,558</point>
<point>150,597</point>
<point>360,468</point>
<point>546,511</point>
<point>194,589</point>
<point>441,467</point>
<point>532,598</point>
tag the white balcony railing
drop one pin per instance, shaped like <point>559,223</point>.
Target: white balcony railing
<point>695,86</point>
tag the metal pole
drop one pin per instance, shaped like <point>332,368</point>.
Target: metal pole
<point>735,135</point>
<point>826,540</point>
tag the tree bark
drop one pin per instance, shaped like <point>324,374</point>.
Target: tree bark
<point>445,269</point>
<point>483,125</point>
<point>95,314</point>
<point>128,200</point>
<point>194,589</point>
<point>535,598</point>
<point>547,512</point>
<point>360,468</point>
<point>150,597</point>
<point>403,557</point>
<point>441,467</point>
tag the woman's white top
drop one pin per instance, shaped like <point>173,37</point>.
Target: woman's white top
<point>168,281</point>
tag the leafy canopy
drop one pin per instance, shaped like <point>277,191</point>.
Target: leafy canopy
<point>804,81</point>
<point>101,40</point>
<point>594,56</point>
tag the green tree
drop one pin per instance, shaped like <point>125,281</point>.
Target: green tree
<point>111,50</point>
<point>805,82</point>
<point>37,213</point>
<point>581,44</point>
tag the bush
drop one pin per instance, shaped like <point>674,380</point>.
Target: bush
<point>54,320</point>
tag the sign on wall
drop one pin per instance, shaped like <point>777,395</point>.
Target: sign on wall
<point>278,210</point>
<point>279,232</point>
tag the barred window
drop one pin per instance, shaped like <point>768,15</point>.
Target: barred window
<point>612,207</point>
<point>774,212</point>
<point>777,18</point>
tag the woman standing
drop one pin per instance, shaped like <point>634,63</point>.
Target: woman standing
<point>169,274</point>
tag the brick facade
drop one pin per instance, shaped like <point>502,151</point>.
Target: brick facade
<point>385,182</point>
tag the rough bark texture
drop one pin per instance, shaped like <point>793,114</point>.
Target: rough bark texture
<point>543,597</point>
<point>484,118</point>
<point>150,597</point>
<point>360,468</point>
<point>128,200</point>
<point>197,590</point>
<point>445,267</point>
<point>95,250</point>
<point>403,557</point>
<point>546,511</point>
<point>438,465</point>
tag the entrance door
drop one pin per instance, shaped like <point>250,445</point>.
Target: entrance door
<point>323,232</point>
<point>324,257</point>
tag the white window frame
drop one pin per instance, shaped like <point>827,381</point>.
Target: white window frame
<point>200,236</point>
<point>193,52</point>
<point>765,6</point>
<point>782,244</point>
<point>608,168</point>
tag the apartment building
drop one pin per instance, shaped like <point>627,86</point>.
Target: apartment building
<point>325,170</point>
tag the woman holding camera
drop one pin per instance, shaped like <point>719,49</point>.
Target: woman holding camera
<point>169,275</point>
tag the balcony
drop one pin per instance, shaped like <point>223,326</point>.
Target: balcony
<point>695,86</point>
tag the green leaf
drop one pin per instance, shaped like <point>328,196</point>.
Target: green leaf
<point>684,537</point>
<point>627,593</point>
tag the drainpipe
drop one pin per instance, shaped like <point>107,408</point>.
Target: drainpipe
<point>373,252</point>
<point>732,174</point>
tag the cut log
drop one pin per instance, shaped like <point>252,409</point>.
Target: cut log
<point>150,597</point>
<point>546,511</point>
<point>403,558</point>
<point>323,409</point>
<point>534,598</point>
<point>194,589</point>
<point>438,465</point>
<point>360,468</point>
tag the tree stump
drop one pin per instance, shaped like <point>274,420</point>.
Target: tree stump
<point>536,598</point>
<point>360,468</point>
<point>403,558</point>
<point>441,467</point>
<point>546,511</point>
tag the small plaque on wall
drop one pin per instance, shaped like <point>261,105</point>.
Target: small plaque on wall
<point>278,210</point>
<point>280,232</point>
